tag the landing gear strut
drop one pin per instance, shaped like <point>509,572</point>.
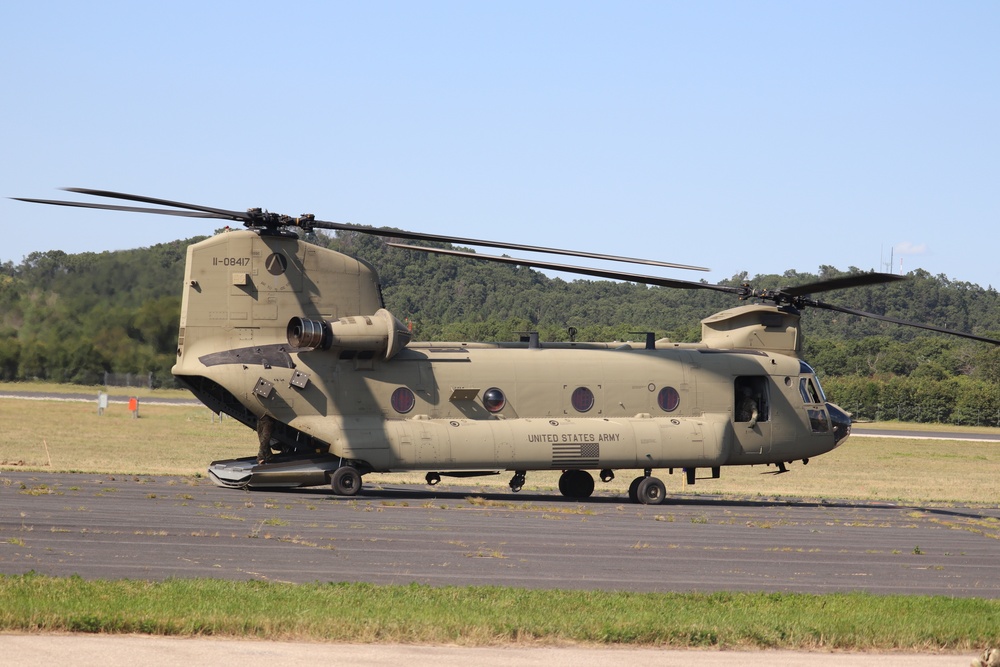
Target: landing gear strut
<point>517,481</point>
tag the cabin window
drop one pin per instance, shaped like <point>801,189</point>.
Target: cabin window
<point>402,400</point>
<point>668,399</point>
<point>751,400</point>
<point>582,399</point>
<point>494,400</point>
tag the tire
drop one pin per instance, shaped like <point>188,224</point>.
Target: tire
<point>584,484</point>
<point>564,483</point>
<point>576,484</point>
<point>346,481</point>
<point>633,489</point>
<point>651,491</point>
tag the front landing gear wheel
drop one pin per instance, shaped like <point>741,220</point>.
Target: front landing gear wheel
<point>576,484</point>
<point>633,489</point>
<point>651,491</point>
<point>346,481</point>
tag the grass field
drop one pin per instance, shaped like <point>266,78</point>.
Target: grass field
<point>478,616</point>
<point>84,390</point>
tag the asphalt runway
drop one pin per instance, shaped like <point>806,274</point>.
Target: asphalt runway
<point>111,527</point>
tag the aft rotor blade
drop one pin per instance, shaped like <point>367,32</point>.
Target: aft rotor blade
<point>418,236</point>
<point>906,323</point>
<point>221,212</point>
<point>115,207</point>
<point>582,270</point>
<point>845,282</point>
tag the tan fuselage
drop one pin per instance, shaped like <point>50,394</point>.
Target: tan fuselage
<point>242,290</point>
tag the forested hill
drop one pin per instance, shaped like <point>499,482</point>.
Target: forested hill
<point>70,318</point>
<point>73,317</point>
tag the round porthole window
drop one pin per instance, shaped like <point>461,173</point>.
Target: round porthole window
<point>494,400</point>
<point>668,399</point>
<point>583,399</point>
<point>402,400</point>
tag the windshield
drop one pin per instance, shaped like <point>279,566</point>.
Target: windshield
<point>809,387</point>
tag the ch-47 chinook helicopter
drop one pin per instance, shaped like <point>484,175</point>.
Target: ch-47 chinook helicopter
<point>293,340</point>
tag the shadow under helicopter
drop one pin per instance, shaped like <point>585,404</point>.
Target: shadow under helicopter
<point>372,491</point>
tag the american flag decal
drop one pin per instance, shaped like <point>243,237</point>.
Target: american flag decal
<point>581,455</point>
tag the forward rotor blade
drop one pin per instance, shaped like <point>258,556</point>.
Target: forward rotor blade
<point>844,282</point>
<point>582,270</point>
<point>240,216</point>
<point>906,323</point>
<point>115,207</point>
<point>418,236</point>
<point>221,212</point>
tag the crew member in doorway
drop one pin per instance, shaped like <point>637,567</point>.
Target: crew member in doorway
<point>748,408</point>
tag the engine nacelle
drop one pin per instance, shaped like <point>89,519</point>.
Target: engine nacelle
<point>381,332</point>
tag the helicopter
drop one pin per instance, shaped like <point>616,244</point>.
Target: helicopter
<point>294,341</point>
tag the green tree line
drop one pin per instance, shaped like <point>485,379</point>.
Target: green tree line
<point>71,318</point>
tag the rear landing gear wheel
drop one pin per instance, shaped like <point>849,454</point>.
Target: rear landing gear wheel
<point>346,481</point>
<point>576,484</point>
<point>651,491</point>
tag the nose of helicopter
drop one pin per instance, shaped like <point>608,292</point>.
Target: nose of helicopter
<point>841,423</point>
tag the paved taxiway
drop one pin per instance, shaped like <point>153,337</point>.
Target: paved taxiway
<point>101,526</point>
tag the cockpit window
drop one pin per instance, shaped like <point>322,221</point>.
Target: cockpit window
<point>810,394</point>
<point>819,388</point>
<point>816,395</point>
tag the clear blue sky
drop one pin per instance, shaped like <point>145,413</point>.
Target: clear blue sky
<point>743,136</point>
